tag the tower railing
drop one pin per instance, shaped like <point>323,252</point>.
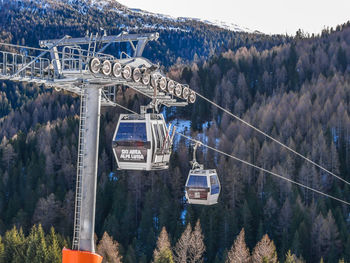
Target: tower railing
<point>11,62</point>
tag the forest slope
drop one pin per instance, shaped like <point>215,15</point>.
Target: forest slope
<point>26,22</point>
<point>298,91</point>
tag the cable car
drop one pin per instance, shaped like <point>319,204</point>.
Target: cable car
<point>202,185</point>
<point>142,142</point>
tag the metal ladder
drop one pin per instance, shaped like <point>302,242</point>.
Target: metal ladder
<point>80,167</point>
<point>92,45</point>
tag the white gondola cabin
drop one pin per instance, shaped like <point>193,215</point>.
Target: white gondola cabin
<point>142,142</point>
<point>202,187</point>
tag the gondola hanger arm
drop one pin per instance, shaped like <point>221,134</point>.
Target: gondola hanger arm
<point>169,139</point>
<point>194,163</point>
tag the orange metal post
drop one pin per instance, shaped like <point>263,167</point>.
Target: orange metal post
<point>77,256</point>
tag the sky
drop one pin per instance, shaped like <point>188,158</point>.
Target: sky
<point>267,16</point>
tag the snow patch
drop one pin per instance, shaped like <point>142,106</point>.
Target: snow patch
<point>221,24</point>
<point>114,6</point>
<point>182,125</point>
<point>229,26</point>
<point>112,177</point>
<point>183,216</point>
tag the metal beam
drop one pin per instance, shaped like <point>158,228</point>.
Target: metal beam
<point>103,39</point>
<point>55,59</point>
<point>54,44</point>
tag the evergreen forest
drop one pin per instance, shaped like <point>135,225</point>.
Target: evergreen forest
<point>294,88</point>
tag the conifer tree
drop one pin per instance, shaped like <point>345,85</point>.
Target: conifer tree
<point>265,251</point>
<point>296,243</point>
<point>163,253</point>
<point>150,243</point>
<point>36,246</point>
<point>130,256</point>
<point>325,237</point>
<point>147,237</point>
<point>54,250</point>
<point>109,249</point>
<point>247,223</point>
<point>31,243</point>
<point>42,247</point>
<point>181,250</point>
<point>291,258</point>
<point>14,246</point>
<point>347,250</point>
<point>197,247</point>
<point>2,254</point>
<point>239,252</point>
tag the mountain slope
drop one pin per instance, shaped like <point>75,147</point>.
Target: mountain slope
<point>26,22</point>
<point>298,91</point>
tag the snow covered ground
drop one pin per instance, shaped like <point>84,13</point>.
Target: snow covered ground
<point>220,24</point>
<point>184,127</point>
<point>115,6</point>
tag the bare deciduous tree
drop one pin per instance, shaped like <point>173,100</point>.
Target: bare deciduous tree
<point>264,251</point>
<point>8,155</point>
<point>181,250</point>
<point>197,247</point>
<point>109,249</point>
<point>239,253</point>
<point>46,211</point>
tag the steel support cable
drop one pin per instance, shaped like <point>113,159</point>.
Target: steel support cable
<point>262,169</point>
<point>241,120</point>
<point>263,133</point>
<point>254,166</point>
<point>271,138</point>
<point>266,135</point>
<point>146,95</point>
<point>117,104</point>
<point>124,108</point>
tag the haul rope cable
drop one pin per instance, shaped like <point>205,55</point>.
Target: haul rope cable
<point>116,104</point>
<point>262,169</point>
<point>270,137</point>
<point>265,134</point>
<point>224,110</point>
<point>253,165</point>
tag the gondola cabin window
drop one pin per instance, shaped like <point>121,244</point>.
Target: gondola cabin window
<point>156,135</point>
<point>197,181</point>
<point>214,182</point>
<point>132,132</point>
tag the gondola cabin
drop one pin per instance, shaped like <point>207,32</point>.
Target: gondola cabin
<point>142,142</point>
<point>202,187</point>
